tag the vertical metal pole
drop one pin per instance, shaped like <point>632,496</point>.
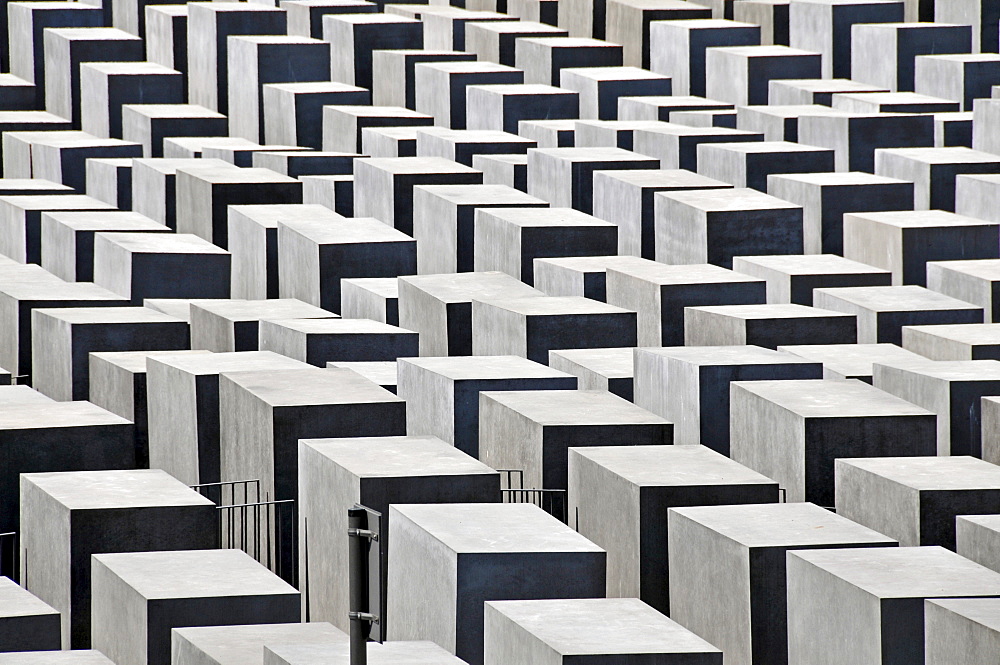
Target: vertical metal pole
<point>357,520</point>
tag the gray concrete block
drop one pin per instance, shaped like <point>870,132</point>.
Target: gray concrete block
<point>319,341</point>
<point>110,180</point>
<point>494,544</point>
<point>209,28</point>
<point>855,137</point>
<point>597,369</point>
<point>660,108</point>
<point>439,307</point>
<point>112,85</point>
<point>749,543</point>
<point>882,311</point>
<point>581,275</point>
<point>814,91</point>
<point>542,58</point>
<point>394,71</point>
<point>154,187</point>
<point>933,170</point>
<point>953,390</point>
<point>149,124</point>
<point>549,632</point>
<point>442,394</point>
<point>502,107</point>
<point>768,325</point>
<point>62,339</point>
<point>975,619</point>
<point>826,197</point>
<point>166,37</point>
<point>960,78</point>
<point>316,251</point>
<point>969,341</point>
<point>827,24</point>
<point>776,122</point>
<point>678,49</point>
<point>676,145</point>
<point>375,298</point>
<point>792,278</point>
<point>66,517</point>
<point>335,192</point>
<point>659,295</point>
<point>229,645</point>
<point>67,239</point>
<point>263,414</point>
<point>383,188</point>
<point>133,266</point>
<point>601,87</point>
<point>336,474</point>
<point>638,485</point>
<point>44,436</point>
<point>849,361</point>
<point>494,41</point>
<point>876,595</point>
<point>509,239</point>
<point>792,431</point>
<point>625,198</point>
<point>463,146</point>
<point>29,623</point>
<point>749,163</point>
<point>62,156</point>
<point>904,242</point>
<point>139,597</point>
<point>741,74</point>
<point>713,226</point>
<point>293,112</point>
<point>444,223</point>
<point>384,142</point>
<point>533,430</point>
<point>549,133</point>
<point>971,281</point>
<point>204,194</point>
<point>916,500</point>
<point>233,325</point>
<point>884,54</point>
<point>564,176</point>
<point>353,37</point>
<point>508,170</point>
<point>770,15</point>
<point>305,17</point>
<point>182,394</point>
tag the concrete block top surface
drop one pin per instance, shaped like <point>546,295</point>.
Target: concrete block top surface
<point>472,195</point>
<point>169,165</point>
<point>194,574</point>
<point>613,363</point>
<point>670,275</point>
<point>671,466</point>
<point>177,307</point>
<point>712,356</point>
<point>94,220</point>
<point>966,333</point>
<point>301,387</point>
<point>905,572</point>
<point>345,230</point>
<point>895,298</point>
<point>669,178</point>
<point>466,368</point>
<point>382,372</point>
<point>821,398</point>
<point>362,111</point>
<point>368,19</point>
<point>255,310</point>
<point>463,287</point>
<point>781,525</point>
<point>57,415</point>
<point>400,652</point>
<point>931,473</point>
<point>242,645</point>
<point>983,611</point>
<point>846,178</point>
<point>947,155</point>
<point>173,111</point>
<point>96,490</point>
<point>728,200</point>
<point>916,219</point>
<point>494,528</point>
<point>613,73</point>
<point>233,175</point>
<point>415,165</point>
<point>523,89</point>
<point>594,154</point>
<point>767,51</point>
<point>338,326</point>
<point>162,243</point>
<point>18,602</point>
<point>541,217</point>
<point>573,407</point>
<point>587,264</point>
<point>600,626</point>
<point>770,312</point>
<point>75,657</point>
<point>56,202</point>
<point>554,306</point>
<point>207,363</point>
<point>805,264</point>
<point>269,214</point>
<point>467,67</point>
<point>397,456</point>
<point>21,394</point>
<point>949,370</point>
<point>106,315</point>
<point>134,362</point>
<point>386,287</point>
<point>982,268</point>
<point>762,147</point>
<point>850,360</point>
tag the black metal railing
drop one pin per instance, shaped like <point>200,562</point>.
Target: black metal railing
<point>8,555</point>
<point>512,490</point>
<point>248,520</point>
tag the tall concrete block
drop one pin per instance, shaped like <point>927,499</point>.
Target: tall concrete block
<point>494,41</point>
<point>827,24</point>
<point>502,107</point>
<point>597,369</point>
<point>971,281</point>
<point>850,361</point>
<point>678,48</point>
<point>234,325</point>
<point>768,325</point>
<point>353,37</point>
<point>749,163</point>
<point>29,623</point>
<point>600,88</point>
<point>542,58</point>
<point>933,171</point>
<point>791,278</point>
<point>740,74</point>
<point>884,54</point>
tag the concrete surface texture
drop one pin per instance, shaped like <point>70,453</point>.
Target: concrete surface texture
<point>642,328</point>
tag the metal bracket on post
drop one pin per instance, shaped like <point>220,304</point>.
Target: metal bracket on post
<point>363,544</point>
